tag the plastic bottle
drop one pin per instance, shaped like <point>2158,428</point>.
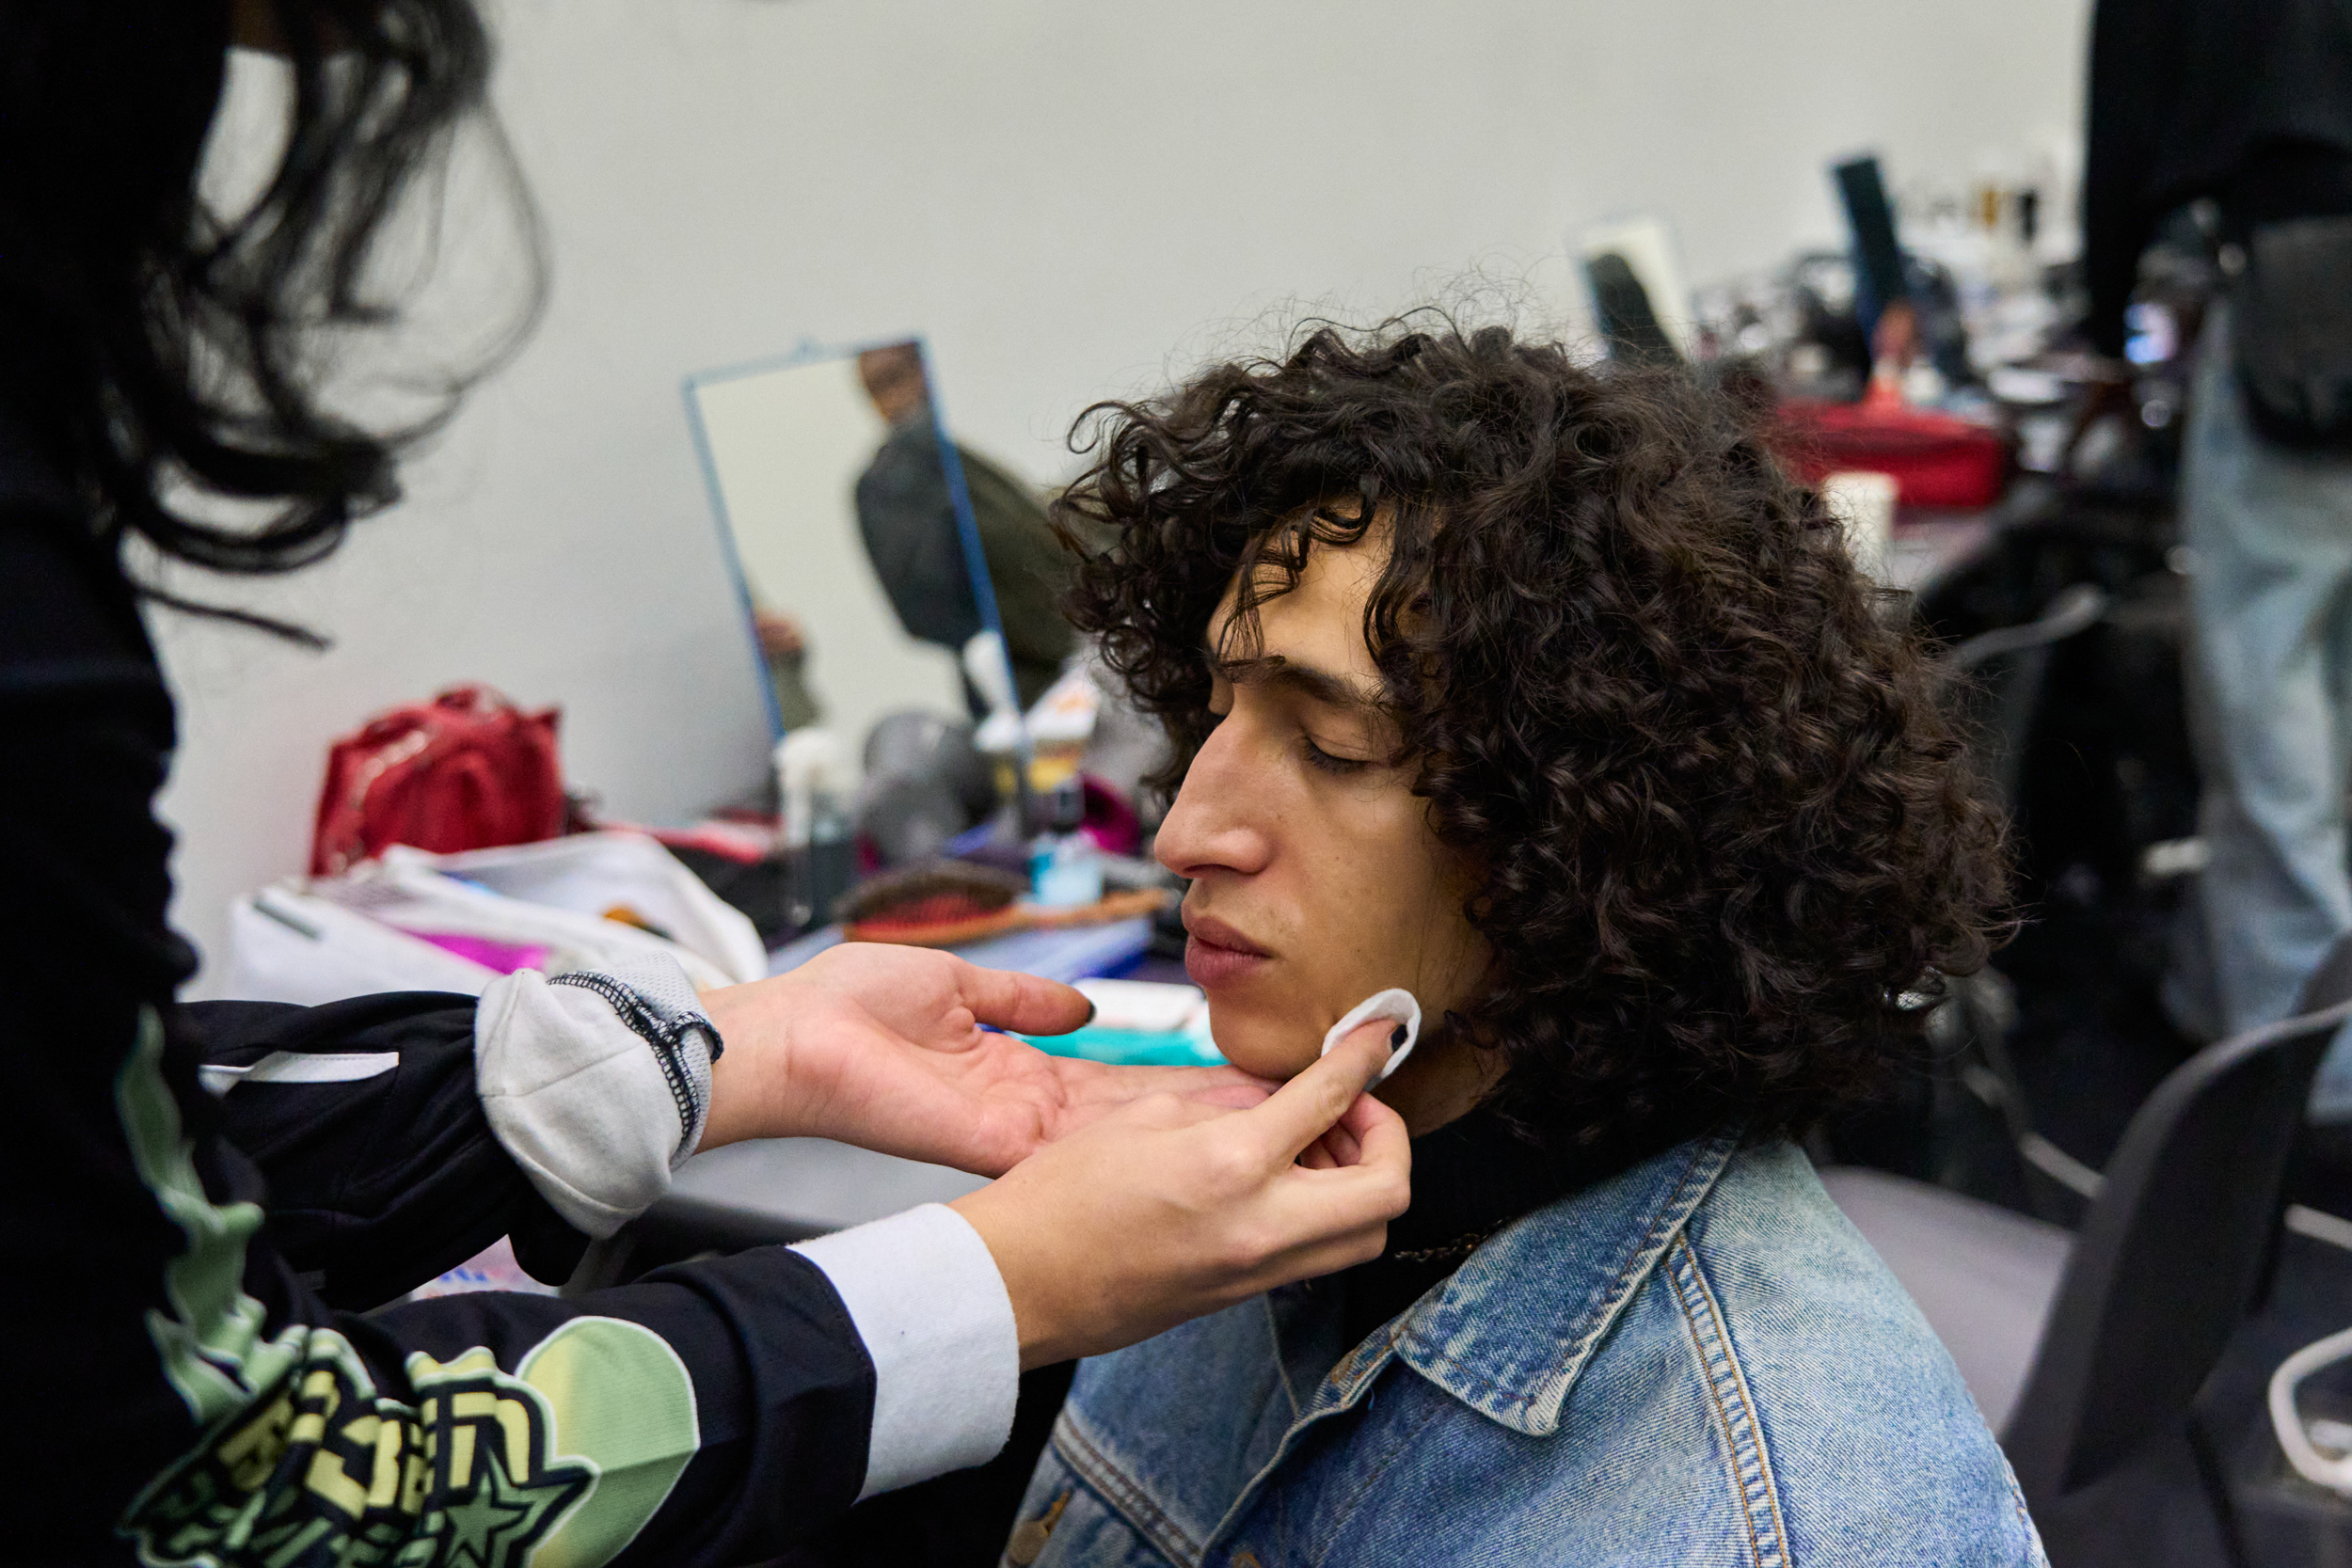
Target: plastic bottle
<point>820,859</point>
<point>1064,867</point>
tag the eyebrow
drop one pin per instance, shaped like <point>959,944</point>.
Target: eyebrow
<point>1316,685</point>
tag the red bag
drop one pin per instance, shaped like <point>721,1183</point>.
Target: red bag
<point>1937,460</point>
<point>467,770</point>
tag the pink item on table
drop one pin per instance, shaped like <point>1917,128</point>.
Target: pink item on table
<point>1110,820</point>
<point>503,957</point>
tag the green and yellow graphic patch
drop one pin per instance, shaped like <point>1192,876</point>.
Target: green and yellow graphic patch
<point>303,1464</point>
<point>322,1469</point>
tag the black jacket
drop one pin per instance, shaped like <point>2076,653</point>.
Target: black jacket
<point>2249,103</point>
<point>184,1361</point>
<point>906,516</point>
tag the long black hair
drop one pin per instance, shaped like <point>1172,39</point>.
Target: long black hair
<point>166,357</point>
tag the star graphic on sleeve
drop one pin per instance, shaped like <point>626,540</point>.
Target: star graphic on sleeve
<point>492,1525</point>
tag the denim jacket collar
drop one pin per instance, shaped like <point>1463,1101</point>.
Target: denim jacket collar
<point>1513,1354</point>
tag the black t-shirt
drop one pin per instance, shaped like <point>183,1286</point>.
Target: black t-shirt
<point>2249,103</point>
<point>184,1368</point>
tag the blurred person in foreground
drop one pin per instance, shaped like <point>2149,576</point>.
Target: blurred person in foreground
<point>1540,691</point>
<point>2251,106</point>
<point>194,1372</point>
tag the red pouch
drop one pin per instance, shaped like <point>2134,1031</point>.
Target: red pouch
<point>1936,460</point>
<point>467,771</point>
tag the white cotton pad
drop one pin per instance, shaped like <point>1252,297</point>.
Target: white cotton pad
<point>1396,1003</point>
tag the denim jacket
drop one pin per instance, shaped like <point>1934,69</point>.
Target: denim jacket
<point>1696,1361</point>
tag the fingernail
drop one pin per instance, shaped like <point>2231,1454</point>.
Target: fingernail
<point>1396,1040</point>
<point>1092,1007</point>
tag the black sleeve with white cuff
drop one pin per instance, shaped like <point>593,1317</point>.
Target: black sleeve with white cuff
<point>364,1120</point>
<point>720,1409</point>
<point>193,1198</point>
<point>400,1134</point>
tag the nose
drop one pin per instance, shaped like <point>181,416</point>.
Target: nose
<point>1218,821</point>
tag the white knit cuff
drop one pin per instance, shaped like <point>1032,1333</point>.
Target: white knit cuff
<point>596,1083</point>
<point>928,1300</point>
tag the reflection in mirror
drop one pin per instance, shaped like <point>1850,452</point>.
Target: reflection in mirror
<point>841,515</point>
<point>871,552</point>
<point>899,588</point>
<point>920,493</point>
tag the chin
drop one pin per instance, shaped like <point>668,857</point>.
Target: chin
<point>1269,1047</point>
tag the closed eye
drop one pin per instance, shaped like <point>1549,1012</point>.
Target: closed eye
<point>1325,762</point>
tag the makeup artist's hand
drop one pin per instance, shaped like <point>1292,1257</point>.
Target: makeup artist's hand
<point>881,1047</point>
<point>1170,1209</point>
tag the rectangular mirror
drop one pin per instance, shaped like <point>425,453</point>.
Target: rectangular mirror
<point>849,522</point>
<point>902,595</point>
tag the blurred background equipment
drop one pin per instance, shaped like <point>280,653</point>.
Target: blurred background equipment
<point>409,920</point>
<point>926,785</point>
<point>2082,1351</point>
<point>1639,303</point>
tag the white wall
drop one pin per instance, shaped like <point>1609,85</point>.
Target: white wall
<point>1071,198</point>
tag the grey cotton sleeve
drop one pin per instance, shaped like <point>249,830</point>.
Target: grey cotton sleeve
<point>597,1082</point>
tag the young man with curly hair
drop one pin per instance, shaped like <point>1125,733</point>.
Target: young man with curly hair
<point>1539,691</point>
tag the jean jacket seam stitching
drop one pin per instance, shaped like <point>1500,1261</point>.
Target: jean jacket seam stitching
<point>1125,1495</point>
<point>1728,1388</point>
<point>1281,1366</point>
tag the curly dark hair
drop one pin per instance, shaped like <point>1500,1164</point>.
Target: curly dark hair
<point>1727,842</point>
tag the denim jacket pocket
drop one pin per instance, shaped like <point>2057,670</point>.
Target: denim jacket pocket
<point>1065,1522</point>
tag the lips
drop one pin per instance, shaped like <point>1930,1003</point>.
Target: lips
<point>1218,955</point>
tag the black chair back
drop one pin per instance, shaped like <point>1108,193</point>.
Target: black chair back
<point>2005,670</point>
<point>2171,1258</point>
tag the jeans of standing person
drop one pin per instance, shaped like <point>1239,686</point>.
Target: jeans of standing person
<point>2269,530</point>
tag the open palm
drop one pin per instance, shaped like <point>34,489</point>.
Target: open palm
<point>883,1047</point>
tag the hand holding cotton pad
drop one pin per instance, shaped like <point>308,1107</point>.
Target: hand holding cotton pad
<point>1396,1003</point>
